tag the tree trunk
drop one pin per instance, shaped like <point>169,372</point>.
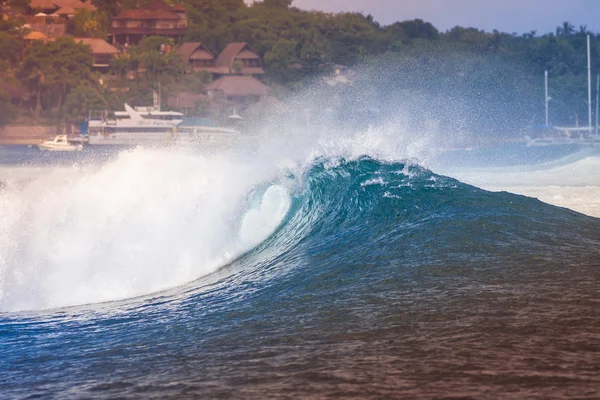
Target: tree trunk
<point>38,106</point>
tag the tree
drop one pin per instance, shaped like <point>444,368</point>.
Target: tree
<point>279,60</point>
<point>209,21</point>
<point>19,5</point>
<point>87,23</point>
<point>566,29</point>
<point>51,69</point>
<point>10,48</point>
<point>7,110</point>
<point>81,99</point>
<point>108,7</point>
<point>278,3</point>
<point>156,43</point>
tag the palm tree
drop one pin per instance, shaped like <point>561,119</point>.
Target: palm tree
<point>565,30</point>
<point>37,79</point>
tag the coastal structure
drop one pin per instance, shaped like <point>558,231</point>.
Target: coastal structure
<point>197,57</point>
<point>156,18</point>
<point>34,36</point>
<point>237,92</point>
<point>64,8</point>
<point>102,52</point>
<point>51,17</point>
<point>239,58</point>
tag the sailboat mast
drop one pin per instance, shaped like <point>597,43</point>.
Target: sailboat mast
<point>546,91</point>
<point>589,85</point>
<point>597,98</point>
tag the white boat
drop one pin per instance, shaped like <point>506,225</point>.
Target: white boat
<point>59,143</point>
<point>557,135</point>
<point>151,126</point>
<point>131,127</point>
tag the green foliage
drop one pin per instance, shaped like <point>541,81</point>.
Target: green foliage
<point>87,23</point>
<point>278,3</point>
<point>502,71</point>
<point>10,48</point>
<point>108,7</point>
<point>162,67</point>
<point>279,60</point>
<point>7,110</point>
<point>155,43</point>
<point>19,5</point>
<point>209,21</point>
<point>81,99</point>
<point>11,25</point>
<point>51,69</point>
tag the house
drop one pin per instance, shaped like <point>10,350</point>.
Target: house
<point>34,36</point>
<point>51,17</point>
<point>197,57</point>
<point>51,30</point>
<point>101,51</point>
<point>250,62</point>
<point>59,7</point>
<point>156,18</point>
<point>238,91</point>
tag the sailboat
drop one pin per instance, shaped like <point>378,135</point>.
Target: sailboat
<point>559,135</point>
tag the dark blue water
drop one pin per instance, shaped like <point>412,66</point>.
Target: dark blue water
<point>384,281</point>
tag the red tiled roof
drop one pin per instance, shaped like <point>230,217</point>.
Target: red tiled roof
<point>76,4</point>
<point>140,13</point>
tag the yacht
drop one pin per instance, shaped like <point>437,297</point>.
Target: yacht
<point>59,143</point>
<point>132,126</point>
<point>150,125</point>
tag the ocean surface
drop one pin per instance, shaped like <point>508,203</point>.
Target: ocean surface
<point>304,269</point>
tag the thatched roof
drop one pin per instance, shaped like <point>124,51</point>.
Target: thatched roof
<point>41,4</point>
<point>194,51</point>
<point>98,46</point>
<point>66,11</point>
<point>239,86</point>
<point>34,35</point>
<point>232,52</point>
<point>187,100</point>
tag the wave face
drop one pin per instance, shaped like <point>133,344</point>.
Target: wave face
<point>344,275</point>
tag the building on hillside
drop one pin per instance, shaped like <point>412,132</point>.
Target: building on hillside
<point>239,92</point>
<point>194,104</point>
<point>34,36</point>
<point>54,17</point>
<point>156,18</point>
<point>197,57</point>
<point>101,51</point>
<point>49,26</point>
<point>65,8</point>
<point>250,62</point>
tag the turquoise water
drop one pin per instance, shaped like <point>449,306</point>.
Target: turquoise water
<point>374,279</point>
